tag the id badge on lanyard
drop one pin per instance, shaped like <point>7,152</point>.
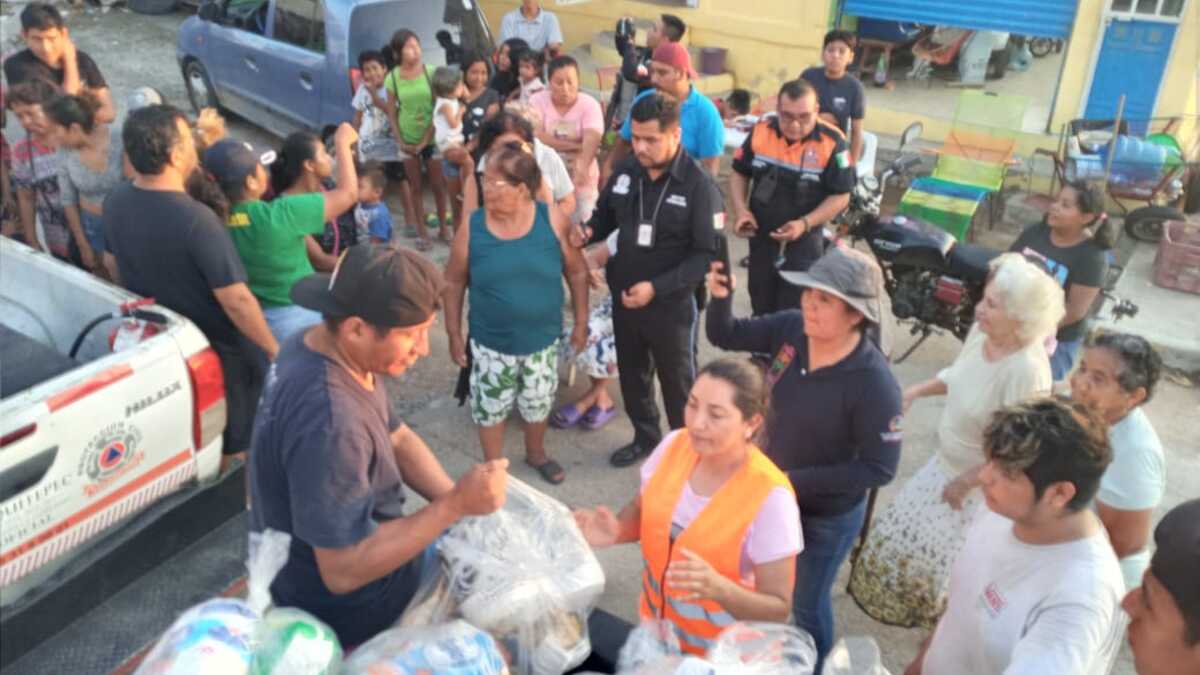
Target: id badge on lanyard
<point>645,228</point>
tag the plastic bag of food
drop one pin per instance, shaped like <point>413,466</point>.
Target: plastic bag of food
<point>648,644</point>
<point>221,635</point>
<point>455,648</point>
<point>752,648</point>
<point>857,655</point>
<point>524,574</point>
<point>290,641</point>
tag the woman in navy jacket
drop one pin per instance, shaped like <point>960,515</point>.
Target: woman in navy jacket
<point>836,410</point>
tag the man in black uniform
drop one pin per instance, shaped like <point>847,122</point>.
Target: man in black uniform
<point>665,207</point>
<point>791,176</point>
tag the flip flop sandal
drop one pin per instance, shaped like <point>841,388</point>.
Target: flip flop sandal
<point>423,245</point>
<point>550,471</point>
<point>566,417</point>
<point>597,417</point>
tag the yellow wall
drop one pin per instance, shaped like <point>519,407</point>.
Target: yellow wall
<point>769,41</point>
<point>779,38</point>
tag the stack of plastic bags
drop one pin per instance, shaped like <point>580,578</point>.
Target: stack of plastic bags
<point>235,637</point>
<point>455,648</point>
<point>745,648</point>
<point>524,575</point>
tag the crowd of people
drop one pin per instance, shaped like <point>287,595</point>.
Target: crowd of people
<point>1015,543</point>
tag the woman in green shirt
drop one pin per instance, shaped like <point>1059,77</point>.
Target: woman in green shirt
<point>410,94</point>
<point>272,238</point>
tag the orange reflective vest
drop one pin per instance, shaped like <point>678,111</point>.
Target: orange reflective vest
<point>717,535</point>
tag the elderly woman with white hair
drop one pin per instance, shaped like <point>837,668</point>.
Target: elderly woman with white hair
<point>900,576</point>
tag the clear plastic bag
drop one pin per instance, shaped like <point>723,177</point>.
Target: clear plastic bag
<point>524,574</point>
<point>745,648</point>
<point>649,643</point>
<point>855,655</point>
<point>290,641</point>
<point>222,635</point>
<point>455,648</point>
<point>751,648</point>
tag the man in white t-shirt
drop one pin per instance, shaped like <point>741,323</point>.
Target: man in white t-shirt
<point>1115,376</point>
<point>1164,631</point>
<point>1036,588</point>
<point>534,25</point>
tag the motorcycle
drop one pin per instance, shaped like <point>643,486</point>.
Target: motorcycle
<point>933,281</point>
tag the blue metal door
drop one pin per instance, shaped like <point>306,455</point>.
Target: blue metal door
<point>1133,58</point>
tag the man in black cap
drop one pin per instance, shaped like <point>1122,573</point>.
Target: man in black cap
<point>1164,630</point>
<point>330,460</point>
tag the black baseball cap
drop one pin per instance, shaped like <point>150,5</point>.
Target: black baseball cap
<point>1177,556</point>
<point>230,161</point>
<point>383,284</point>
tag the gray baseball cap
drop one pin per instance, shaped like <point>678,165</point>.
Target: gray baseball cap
<point>848,274</point>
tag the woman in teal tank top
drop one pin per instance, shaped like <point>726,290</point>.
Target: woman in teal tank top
<point>511,257</point>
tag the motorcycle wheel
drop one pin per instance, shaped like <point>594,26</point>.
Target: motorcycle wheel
<point>1146,224</point>
<point>1041,47</point>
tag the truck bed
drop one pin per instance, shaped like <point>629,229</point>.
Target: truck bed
<point>25,362</point>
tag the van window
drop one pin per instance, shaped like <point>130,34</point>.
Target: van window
<point>460,22</point>
<point>301,23</point>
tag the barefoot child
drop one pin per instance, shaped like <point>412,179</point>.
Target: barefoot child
<point>448,112</point>
<point>375,120</point>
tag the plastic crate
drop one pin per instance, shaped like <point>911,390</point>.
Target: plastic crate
<point>1177,263</point>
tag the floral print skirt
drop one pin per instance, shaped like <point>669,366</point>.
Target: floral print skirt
<point>902,573</point>
<point>599,356</point>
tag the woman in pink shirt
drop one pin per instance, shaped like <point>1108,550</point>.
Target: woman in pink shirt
<point>572,124</point>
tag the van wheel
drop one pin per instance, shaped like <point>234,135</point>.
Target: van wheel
<point>1146,224</point>
<point>199,87</point>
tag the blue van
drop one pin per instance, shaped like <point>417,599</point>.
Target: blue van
<point>287,65</point>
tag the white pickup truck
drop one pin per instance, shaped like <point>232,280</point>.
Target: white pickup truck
<point>89,439</point>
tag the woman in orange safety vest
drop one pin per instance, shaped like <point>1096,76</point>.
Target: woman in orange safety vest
<point>716,519</point>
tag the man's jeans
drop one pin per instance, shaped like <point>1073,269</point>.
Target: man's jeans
<point>827,542</point>
<point>286,320</point>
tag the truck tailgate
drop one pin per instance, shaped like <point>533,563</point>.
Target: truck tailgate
<point>88,449</point>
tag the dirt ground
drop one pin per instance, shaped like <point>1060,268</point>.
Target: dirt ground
<point>134,50</point>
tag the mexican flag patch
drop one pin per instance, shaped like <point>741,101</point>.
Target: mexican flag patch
<point>843,159</point>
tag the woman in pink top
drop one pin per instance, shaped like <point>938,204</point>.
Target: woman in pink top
<point>572,124</point>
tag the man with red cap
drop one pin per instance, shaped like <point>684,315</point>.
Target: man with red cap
<point>1164,627</point>
<point>703,131</point>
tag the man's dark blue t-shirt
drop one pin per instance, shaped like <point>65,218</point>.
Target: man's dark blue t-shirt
<point>844,98</point>
<point>322,469</point>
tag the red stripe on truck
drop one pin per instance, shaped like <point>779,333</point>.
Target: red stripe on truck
<point>91,510</point>
<point>98,382</point>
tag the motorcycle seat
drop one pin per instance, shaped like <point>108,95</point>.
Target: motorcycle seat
<point>969,262</point>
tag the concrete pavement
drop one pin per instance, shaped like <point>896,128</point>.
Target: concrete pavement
<point>1168,318</point>
<point>133,50</point>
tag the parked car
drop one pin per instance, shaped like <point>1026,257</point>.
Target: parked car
<point>293,64</point>
<point>92,431</point>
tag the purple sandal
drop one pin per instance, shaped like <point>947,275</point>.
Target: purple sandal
<point>566,417</point>
<point>596,417</point>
